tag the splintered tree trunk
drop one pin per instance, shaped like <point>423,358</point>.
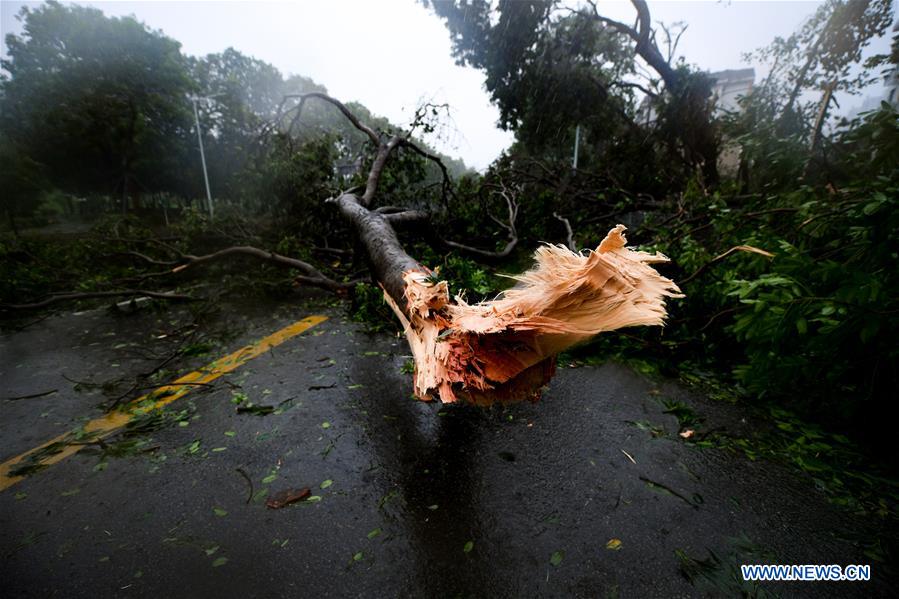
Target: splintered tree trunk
<point>504,350</point>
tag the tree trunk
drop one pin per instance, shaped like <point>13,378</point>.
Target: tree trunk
<point>502,350</point>
<point>387,258</point>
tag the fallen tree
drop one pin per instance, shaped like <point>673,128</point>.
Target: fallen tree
<point>501,350</point>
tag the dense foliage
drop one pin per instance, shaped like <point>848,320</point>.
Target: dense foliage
<point>814,327</point>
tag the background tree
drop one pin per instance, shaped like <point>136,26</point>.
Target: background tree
<point>549,68</point>
<point>99,101</point>
<point>22,181</point>
<point>781,123</point>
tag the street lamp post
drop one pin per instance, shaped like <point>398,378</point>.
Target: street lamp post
<point>195,100</point>
<point>577,143</point>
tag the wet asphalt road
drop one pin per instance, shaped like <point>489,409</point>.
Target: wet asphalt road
<point>423,500</point>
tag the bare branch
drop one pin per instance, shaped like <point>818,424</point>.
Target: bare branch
<point>719,257</point>
<point>333,251</point>
<point>32,395</point>
<point>634,85</point>
<point>311,276</point>
<point>60,297</point>
<point>823,106</point>
<point>406,217</point>
<point>677,41</point>
<point>447,182</point>
<point>384,149</point>
<point>372,135</point>
<point>146,258</point>
<point>569,239</point>
<point>296,117</point>
<point>374,175</point>
<point>512,205</point>
<point>389,209</point>
<point>641,33</point>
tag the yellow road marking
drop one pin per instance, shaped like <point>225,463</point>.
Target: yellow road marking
<point>108,424</point>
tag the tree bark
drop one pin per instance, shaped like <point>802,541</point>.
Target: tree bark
<point>386,255</point>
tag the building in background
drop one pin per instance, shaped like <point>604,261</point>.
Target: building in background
<point>730,86</point>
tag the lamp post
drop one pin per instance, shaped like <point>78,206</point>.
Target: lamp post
<point>577,143</point>
<point>195,99</point>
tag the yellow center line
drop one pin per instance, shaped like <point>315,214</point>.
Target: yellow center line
<point>109,423</point>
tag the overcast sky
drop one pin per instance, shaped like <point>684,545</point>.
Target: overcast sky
<point>393,54</point>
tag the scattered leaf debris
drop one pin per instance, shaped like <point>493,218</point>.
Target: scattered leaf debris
<point>285,497</point>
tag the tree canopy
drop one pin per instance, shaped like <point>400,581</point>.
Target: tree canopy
<point>98,100</point>
<point>102,106</point>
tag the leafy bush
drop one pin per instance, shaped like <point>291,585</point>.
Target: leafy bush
<point>813,328</point>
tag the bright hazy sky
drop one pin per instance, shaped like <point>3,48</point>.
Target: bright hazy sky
<point>392,55</point>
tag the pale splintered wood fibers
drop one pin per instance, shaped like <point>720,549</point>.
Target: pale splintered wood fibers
<point>504,349</point>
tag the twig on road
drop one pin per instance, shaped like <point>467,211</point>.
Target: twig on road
<point>246,477</point>
<point>32,396</point>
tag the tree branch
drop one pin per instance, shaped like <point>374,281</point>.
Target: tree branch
<point>374,175</point>
<point>311,276</point>
<point>372,135</point>
<point>646,47</point>
<point>569,238</point>
<point>447,187</point>
<point>642,88</point>
<point>512,206</point>
<point>407,217</point>
<point>387,257</point>
<point>146,258</point>
<point>60,297</point>
<point>719,257</point>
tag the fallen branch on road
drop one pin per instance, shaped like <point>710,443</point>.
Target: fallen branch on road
<point>60,297</point>
<point>32,396</point>
<point>311,276</point>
